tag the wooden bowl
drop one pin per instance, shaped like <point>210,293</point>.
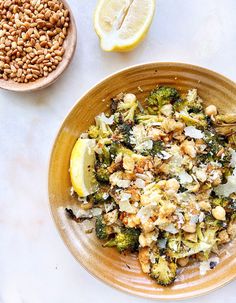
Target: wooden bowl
<point>119,270</point>
<point>69,45</point>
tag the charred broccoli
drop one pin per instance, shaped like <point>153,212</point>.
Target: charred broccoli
<point>101,129</point>
<point>101,229</point>
<point>161,96</point>
<point>125,132</point>
<point>101,173</point>
<point>148,119</point>
<point>126,109</point>
<point>101,195</point>
<point>156,149</point>
<point>163,271</point>
<point>127,238</point>
<point>117,148</point>
<point>191,104</point>
<point>104,156</point>
<point>180,247</point>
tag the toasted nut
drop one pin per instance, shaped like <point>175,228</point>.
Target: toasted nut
<point>183,261</point>
<point>188,147</point>
<point>205,205</point>
<point>189,227</point>
<point>26,28</point>
<point>172,184</point>
<point>129,98</point>
<point>219,213</point>
<point>223,236</point>
<point>86,206</point>
<point>128,163</point>
<point>211,110</point>
<point>144,259</point>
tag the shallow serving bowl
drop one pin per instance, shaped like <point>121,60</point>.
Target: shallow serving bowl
<point>119,270</point>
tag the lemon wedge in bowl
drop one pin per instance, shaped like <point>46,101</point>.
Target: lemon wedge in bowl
<point>122,24</point>
<point>82,167</point>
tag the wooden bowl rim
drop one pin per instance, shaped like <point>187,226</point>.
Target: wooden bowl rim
<point>43,82</point>
<point>190,295</point>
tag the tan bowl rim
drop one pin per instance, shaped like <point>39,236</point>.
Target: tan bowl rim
<point>66,242</point>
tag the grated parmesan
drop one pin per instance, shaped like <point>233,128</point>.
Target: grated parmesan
<point>185,178</point>
<point>193,132</point>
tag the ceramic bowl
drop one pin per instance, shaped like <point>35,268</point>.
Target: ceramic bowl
<point>69,46</point>
<point>118,270</point>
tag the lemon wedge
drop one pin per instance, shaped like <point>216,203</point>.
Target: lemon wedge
<point>122,24</point>
<point>82,167</point>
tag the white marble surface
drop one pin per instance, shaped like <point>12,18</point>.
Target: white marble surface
<point>35,266</point>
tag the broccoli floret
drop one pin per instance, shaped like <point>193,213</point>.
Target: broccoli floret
<point>211,222</point>
<point>104,157</point>
<point>163,272</point>
<point>102,195</point>
<point>101,130</point>
<point>101,229</point>
<point>125,131</point>
<point>126,109</point>
<point>181,248</point>
<point>185,105</point>
<point>101,173</point>
<point>191,103</point>
<point>127,238</point>
<point>198,120</point>
<point>148,119</point>
<point>157,148</point>
<point>93,132</point>
<point>214,144</point>
<point>117,148</point>
<point>161,96</point>
<point>227,203</point>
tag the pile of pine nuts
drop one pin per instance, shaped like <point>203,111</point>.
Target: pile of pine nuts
<point>32,33</point>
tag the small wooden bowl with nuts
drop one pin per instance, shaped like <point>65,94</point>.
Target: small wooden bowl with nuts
<point>37,43</point>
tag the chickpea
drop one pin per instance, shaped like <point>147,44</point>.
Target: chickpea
<point>188,148</point>
<point>169,125</point>
<point>164,168</point>
<point>162,184</point>
<point>219,213</point>
<point>132,220</point>
<point>147,239</point>
<point>166,110</point>
<point>129,98</point>
<point>172,184</point>
<point>144,259</point>
<point>201,175</point>
<point>87,206</point>
<point>189,227</point>
<point>128,163</point>
<point>223,236</point>
<point>183,261</point>
<point>232,230</point>
<point>211,110</point>
<point>193,187</point>
<point>205,205</point>
<point>148,226</point>
<point>111,217</point>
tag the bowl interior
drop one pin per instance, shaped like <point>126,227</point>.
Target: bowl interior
<point>119,270</point>
<point>69,46</point>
